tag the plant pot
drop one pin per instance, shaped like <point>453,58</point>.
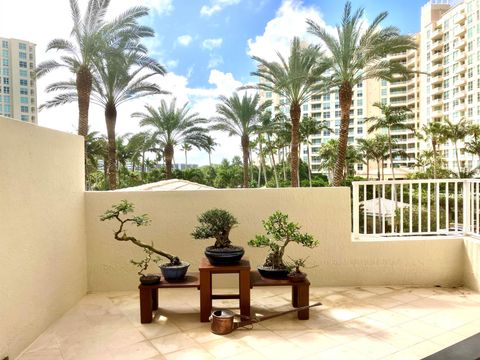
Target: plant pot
<point>150,279</point>
<point>297,276</point>
<point>270,273</point>
<point>174,272</point>
<point>224,256</point>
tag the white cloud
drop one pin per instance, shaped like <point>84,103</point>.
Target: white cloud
<point>216,6</point>
<point>211,44</point>
<point>161,7</point>
<point>184,40</point>
<point>289,21</point>
<point>214,61</point>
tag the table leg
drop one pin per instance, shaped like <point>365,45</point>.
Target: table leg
<point>295,296</point>
<point>154,299</point>
<point>244,287</point>
<point>145,305</point>
<point>205,295</point>
<point>303,299</point>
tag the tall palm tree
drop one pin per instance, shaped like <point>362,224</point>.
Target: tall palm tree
<point>380,152</point>
<point>435,133</point>
<point>138,145</point>
<point>393,119</point>
<point>240,117</point>
<point>92,35</point>
<point>296,79</point>
<point>209,146</point>
<point>186,147</point>
<point>366,147</point>
<point>173,126</point>
<point>266,128</point>
<point>455,133</point>
<point>473,145</point>
<point>96,149</point>
<point>120,75</point>
<point>357,55</point>
<point>310,126</point>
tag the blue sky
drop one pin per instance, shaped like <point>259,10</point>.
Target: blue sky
<point>205,44</point>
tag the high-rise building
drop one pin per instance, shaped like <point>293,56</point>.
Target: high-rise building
<point>18,93</point>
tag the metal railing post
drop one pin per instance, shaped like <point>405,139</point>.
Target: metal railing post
<point>466,207</point>
<point>356,212</point>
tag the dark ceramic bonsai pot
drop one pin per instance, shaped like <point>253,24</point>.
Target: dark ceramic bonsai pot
<point>149,279</point>
<point>297,276</point>
<point>174,272</point>
<point>224,256</point>
<point>270,273</point>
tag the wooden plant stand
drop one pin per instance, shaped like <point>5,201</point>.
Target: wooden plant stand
<point>149,294</point>
<point>300,291</point>
<point>206,296</point>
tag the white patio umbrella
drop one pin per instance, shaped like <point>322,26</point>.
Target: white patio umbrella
<point>381,206</point>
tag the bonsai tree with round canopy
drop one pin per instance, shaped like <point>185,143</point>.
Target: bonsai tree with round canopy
<point>217,224</point>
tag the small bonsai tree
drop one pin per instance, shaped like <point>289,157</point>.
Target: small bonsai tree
<point>215,223</point>
<point>280,232</point>
<point>124,208</point>
<point>143,264</point>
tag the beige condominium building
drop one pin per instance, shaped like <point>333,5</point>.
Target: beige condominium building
<point>450,35</point>
<point>18,95</point>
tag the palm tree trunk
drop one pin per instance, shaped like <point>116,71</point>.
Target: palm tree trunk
<point>246,152</point>
<point>383,169</point>
<point>84,89</point>
<point>368,169</point>
<point>434,147</point>
<point>456,156</point>
<point>390,153</point>
<point>378,169</point>
<point>295,113</point>
<point>143,165</point>
<point>309,164</point>
<point>345,96</point>
<point>168,156</point>
<point>111,119</point>
<point>250,162</point>
<point>210,158</point>
<point>272,155</point>
<point>283,165</point>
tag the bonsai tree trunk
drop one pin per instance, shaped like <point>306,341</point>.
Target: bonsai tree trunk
<point>295,113</point>
<point>168,155</point>
<point>345,95</point>
<point>111,119</point>
<point>245,149</point>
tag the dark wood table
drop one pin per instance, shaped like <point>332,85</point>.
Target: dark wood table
<point>300,291</point>
<point>206,296</point>
<point>149,294</point>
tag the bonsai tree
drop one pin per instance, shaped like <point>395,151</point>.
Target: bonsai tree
<point>215,223</point>
<point>143,264</point>
<point>280,233</point>
<point>124,208</point>
<point>296,264</point>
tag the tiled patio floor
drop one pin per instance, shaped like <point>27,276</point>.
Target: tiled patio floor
<point>354,323</point>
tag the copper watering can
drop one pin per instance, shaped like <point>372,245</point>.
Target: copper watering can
<point>223,321</point>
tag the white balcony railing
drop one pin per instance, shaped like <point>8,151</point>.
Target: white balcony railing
<point>416,207</point>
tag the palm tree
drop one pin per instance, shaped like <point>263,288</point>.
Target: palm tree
<point>96,149</point>
<point>173,126</point>
<point>380,151</point>
<point>186,147</point>
<point>240,117</point>
<point>358,55</point>
<point>296,79</point>
<point>92,35</point>
<point>473,145</point>
<point>435,132</point>
<point>310,126</point>
<point>209,146</point>
<point>138,145</point>
<point>120,76</point>
<point>366,147</point>
<point>266,128</point>
<point>455,133</point>
<point>393,119</point>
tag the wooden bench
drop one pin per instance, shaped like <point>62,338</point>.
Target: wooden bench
<point>149,294</point>
<point>300,291</point>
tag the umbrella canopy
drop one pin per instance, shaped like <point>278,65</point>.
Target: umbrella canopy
<point>382,206</point>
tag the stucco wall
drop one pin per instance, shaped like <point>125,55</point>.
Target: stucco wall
<point>42,244</point>
<point>472,263</point>
<point>324,212</point>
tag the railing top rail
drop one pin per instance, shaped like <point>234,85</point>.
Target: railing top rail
<point>418,181</point>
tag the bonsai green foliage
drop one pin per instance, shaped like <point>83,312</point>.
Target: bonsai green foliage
<point>143,264</point>
<point>215,223</point>
<point>280,232</point>
<point>124,208</point>
<point>296,264</point>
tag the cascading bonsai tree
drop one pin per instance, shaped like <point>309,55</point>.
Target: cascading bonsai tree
<point>118,212</point>
<point>217,224</point>
<point>280,233</point>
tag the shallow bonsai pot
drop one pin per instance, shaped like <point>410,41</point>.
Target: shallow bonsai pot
<point>224,256</point>
<point>174,272</point>
<point>270,273</point>
<point>150,279</point>
<point>297,276</point>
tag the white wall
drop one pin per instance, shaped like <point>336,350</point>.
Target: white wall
<point>324,212</point>
<point>472,263</point>
<point>42,227</point>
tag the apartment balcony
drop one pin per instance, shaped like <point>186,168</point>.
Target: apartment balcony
<point>460,95</point>
<point>459,107</point>
<point>436,57</point>
<point>398,84</point>
<point>462,81</point>
<point>436,69</point>
<point>437,45</point>
<point>435,80</point>
<point>460,69</point>
<point>402,102</point>
<point>460,18</point>
<point>437,34</point>
<point>398,56</point>
<point>437,113</point>
<point>460,44</point>
<point>461,57</point>
<point>437,102</point>
<point>437,90</point>
<point>460,31</point>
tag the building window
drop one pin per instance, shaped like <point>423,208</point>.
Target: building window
<point>23,91</point>
<point>23,64</point>
<point>305,107</point>
<point>6,81</point>
<point>5,62</point>
<point>22,46</point>
<point>24,117</point>
<point>23,73</point>
<point>384,92</point>
<point>24,100</point>
<point>5,44</point>
<point>5,72</point>
<point>24,109</point>
<point>5,53</point>
<point>268,94</point>
<point>360,112</point>
<point>6,90</point>
<point>23,82</point>
<point>22,55</point>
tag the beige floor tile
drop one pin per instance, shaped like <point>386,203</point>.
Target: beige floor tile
<point>283,350</point>
<point>319,321</point>
<point>398,337</point>
<point>448,338</point>
<point>378,290</point>
<point>248,355</point>
<point>157,329</point>
<point>424,349</point>
<point>46,341</point>
<point>171,343</point>
<point>224,348</point>
<point>383,302</point>
<point>203,334</point>
<point>405,296</point>
<point>139,351</point>
<point>468,329</point>
<point>342,333</point>
<point>337,353</point>
<point>422,329</point>
<point>445,320</point>
<point>366,325</point>
<point>193,353</point>
<point>389,318</point>
<point>372,347</point>
<point>314,342</point>
<point>358,294</point>
<point>42,354</point>
<point>340,313</point>
<point>257,339</point>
